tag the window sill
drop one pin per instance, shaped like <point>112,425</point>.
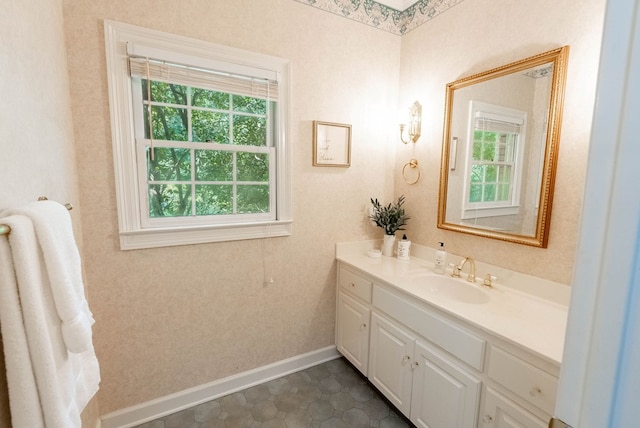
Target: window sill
<point>474,213</point>
<point>154,238</point>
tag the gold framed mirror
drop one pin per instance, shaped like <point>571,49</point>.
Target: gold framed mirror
<point>500,149</point>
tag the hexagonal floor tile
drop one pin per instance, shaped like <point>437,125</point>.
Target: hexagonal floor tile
<point>329,395</point>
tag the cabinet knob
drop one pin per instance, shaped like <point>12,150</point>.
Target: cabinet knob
<point>487,419</point>
<point>353,285</point>
<point>363,325</point>
<point>405,359</point>
<point>535,391</point>
<point>416,364</point>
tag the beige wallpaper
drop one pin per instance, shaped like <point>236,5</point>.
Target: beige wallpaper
<point>459,43</point>
<point>36,143</point>
<point>173,318</point>
<point>35,118</point>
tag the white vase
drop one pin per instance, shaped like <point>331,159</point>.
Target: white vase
<point>388,244</point>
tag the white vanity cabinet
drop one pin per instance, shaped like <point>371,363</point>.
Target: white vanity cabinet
<point>439,370</point>
<point>353,318</point>
<point>429,387</point>
<point>432,391</point>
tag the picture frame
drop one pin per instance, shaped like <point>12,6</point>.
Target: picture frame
<point>331,144</point>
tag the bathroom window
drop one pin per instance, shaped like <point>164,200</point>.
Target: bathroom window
<point>199,140</point>
<point>208,154</point>
<point>494,169</point>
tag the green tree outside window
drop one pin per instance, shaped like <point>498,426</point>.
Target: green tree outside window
<point>186,181</point>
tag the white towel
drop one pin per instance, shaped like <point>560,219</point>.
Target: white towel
<point>54,230</point>
<point>23,392</point>
<point>48,385</point>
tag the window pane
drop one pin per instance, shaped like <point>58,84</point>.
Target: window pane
<point>214,199</point>
<point>213,165</point>
<point>510,148</point>
<point>489,193</point>
<point>169,200</point>
<point>169,164</point>
<point>505,174</point>
<point>249,130</point>
<point>209,126</point>
<point>253,166</point>
<point>500,155</point>
<point>168,123</point>
<point>249,104</point>
<point>162,92</point>
<point>477,149</point>
<point>506,148</point>
<point>503,192</point>
<point>210,99</point>
<point>489,151</point>
<point>491,174</point>
<point>475,194</point>
<point>253,199</point>
<point>477,173</point>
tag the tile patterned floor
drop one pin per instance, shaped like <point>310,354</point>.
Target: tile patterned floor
<point>329,395</point>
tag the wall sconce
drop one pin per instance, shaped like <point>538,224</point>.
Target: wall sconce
<point>415,120</point>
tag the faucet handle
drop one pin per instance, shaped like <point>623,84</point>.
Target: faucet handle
<point>455,270</point>
<point>488,280</point>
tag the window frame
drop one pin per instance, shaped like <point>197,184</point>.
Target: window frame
<point>472,210</point>
<point>122,39</point>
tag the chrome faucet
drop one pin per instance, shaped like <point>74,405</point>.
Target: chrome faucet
<point>472,269</point>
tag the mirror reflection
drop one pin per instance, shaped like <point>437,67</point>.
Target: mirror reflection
<point>499,150</point>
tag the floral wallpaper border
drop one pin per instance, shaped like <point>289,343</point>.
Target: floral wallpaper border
<point>381,16</point>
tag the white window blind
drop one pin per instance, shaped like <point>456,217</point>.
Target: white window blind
<point>202,78</point>
<point>491,122</point>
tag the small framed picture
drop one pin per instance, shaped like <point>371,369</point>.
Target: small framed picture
<point>331,144</point>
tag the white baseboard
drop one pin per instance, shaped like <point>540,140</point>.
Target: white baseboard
<point>163,406</point>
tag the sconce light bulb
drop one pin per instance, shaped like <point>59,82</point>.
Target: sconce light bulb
<point>402,126</point>
<point>415,113</point>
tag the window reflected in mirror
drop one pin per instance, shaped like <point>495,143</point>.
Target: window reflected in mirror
<point>500,147</point>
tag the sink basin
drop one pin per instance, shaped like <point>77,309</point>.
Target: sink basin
<point>455,289</point>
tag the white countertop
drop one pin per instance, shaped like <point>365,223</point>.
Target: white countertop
<point>525,319</point>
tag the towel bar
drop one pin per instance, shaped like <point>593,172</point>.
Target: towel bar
<point>5,229</point>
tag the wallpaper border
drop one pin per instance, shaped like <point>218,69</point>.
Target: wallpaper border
<point>381,16</point>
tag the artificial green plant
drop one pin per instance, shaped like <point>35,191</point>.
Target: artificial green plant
<point>391,217</point>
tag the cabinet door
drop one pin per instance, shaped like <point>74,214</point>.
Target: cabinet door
<point>500,412</point>
<point>390,360</point>
<point>444,395</point>
<point>352,333</point>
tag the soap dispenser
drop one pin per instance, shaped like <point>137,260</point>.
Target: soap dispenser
<point>440,264</point>
<point>403,248</point>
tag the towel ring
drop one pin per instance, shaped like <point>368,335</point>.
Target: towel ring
<point>413,163</point>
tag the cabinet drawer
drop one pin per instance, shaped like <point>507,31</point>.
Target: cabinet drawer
<point>500,412</point>
<point>355,284</point>
<point>523,379</point>
<point>450,337</point>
